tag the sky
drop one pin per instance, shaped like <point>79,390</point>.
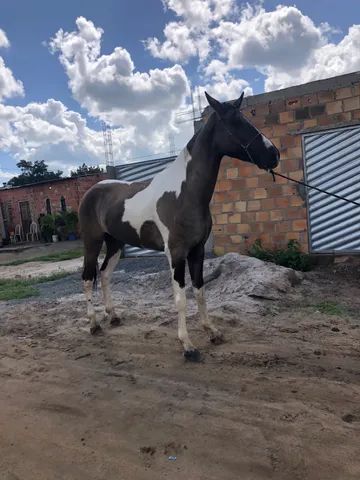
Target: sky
<point>66,66</point>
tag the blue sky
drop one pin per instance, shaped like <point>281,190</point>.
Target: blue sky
<point>64,66</point>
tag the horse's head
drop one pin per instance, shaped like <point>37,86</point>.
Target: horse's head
<point>238,138</point>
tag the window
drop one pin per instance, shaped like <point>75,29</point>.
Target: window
<point>63,204</point>
<point>48,206</point>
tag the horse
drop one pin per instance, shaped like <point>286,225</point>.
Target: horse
<point>170,213</point>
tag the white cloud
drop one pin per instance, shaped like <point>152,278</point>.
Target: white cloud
<point>191,36</point>
<point>4,42</point>
<point>108,85</point>
<point>5,176</point>
<point>61,136</point>
<point>282,38</point>
<point>9,86</point>
<point>329,60</point>
<point>179,46</point>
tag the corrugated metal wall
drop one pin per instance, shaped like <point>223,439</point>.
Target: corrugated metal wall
<point>138,171</point>
<point>332,162</point>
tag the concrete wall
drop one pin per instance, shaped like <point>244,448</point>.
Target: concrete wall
<point>247,205</point>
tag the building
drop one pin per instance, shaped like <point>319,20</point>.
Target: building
<point>316,127</point>
<point>24,204</point>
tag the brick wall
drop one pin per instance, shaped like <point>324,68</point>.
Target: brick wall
<point>247,204</point>
<point>72,189</point>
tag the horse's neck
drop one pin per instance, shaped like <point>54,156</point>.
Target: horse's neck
<point>205,162</point>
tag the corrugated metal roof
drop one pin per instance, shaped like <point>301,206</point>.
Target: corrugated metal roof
<point>332,161</point>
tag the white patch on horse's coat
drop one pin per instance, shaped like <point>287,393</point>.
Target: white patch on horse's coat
<point>113,181</point>
<point>266,142</point>
<point>142,206</point>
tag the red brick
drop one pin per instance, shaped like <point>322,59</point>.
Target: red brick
<point>259,193</point>
<point>310,123</point>
<point>240,206</point>
<point>227,207</point>
<point>252,182</point>
<point>236,218</point>
<point>282,202</point>
<point>307,100</point>
<point>236,238</point>
<point>232,172</point>
<point>295,152</point>
<point>287,117</point>
<point>223,186</point>
<point>276,215</point>
<point>230,228</point>
<point>343,93</point>
<point>280,130</point>
<point>296,201</point>
<point>254,205</point>
<point>299,225</point>
<point>243,228</point>
<point>221,219</point>
<point>262,216</point>
<point>334,107</point>
<point>356,89</point>
<point>326,96</point>
<point>351,103</point>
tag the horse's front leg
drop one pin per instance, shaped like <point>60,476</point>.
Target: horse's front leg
<point>177,266</point>
<point>196,264</point>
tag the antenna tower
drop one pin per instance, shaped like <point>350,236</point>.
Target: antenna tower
<point>108,146</point>
<point>172,149</point>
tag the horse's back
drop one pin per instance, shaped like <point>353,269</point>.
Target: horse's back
<point>104,199</point>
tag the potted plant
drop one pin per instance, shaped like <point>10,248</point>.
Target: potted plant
<point>71,223</point>
<point>47,227</point>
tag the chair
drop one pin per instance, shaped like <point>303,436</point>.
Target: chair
<point>19,233</point>
<point>33,233</point>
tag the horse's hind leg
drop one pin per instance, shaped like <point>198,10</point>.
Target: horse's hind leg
<point>196,263</point>
<point>113,250</point>
<point>91,252</point>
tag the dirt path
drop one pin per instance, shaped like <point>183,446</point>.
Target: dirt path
<point>279,400</point>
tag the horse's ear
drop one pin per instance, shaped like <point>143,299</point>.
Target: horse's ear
<point>215,104</point>
<point>238,102</point>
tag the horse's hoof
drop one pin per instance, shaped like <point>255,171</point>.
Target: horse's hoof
<point>217,338</point>
<point>192,355</point>
<point>95,330</point>
<point>115,322</point>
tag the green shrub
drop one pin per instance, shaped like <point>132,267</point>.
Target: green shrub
<point>47,227</point>
<point>291,256</point>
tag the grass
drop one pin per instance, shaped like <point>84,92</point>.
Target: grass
<point>13,289</point>
<point>330,308</point>
<point>52,257</point>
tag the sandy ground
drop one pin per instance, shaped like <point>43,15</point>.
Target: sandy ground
<point>279,400</point>
<point>40,269</point>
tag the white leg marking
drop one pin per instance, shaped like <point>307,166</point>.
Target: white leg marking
<point>180,303</point>
<point>88,290</point>
<point>105,284</point>
<point>206,322</point>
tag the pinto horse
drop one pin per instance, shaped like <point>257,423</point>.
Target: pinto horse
<point>170,213</point>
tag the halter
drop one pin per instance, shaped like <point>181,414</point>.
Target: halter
<point>244,147</point>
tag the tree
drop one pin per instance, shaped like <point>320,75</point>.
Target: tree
<point>85,170</point>
<point>33,172</point>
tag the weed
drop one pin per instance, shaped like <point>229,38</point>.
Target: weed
<point>291,256</point>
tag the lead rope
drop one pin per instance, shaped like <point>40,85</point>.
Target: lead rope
<point>312,187</point>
